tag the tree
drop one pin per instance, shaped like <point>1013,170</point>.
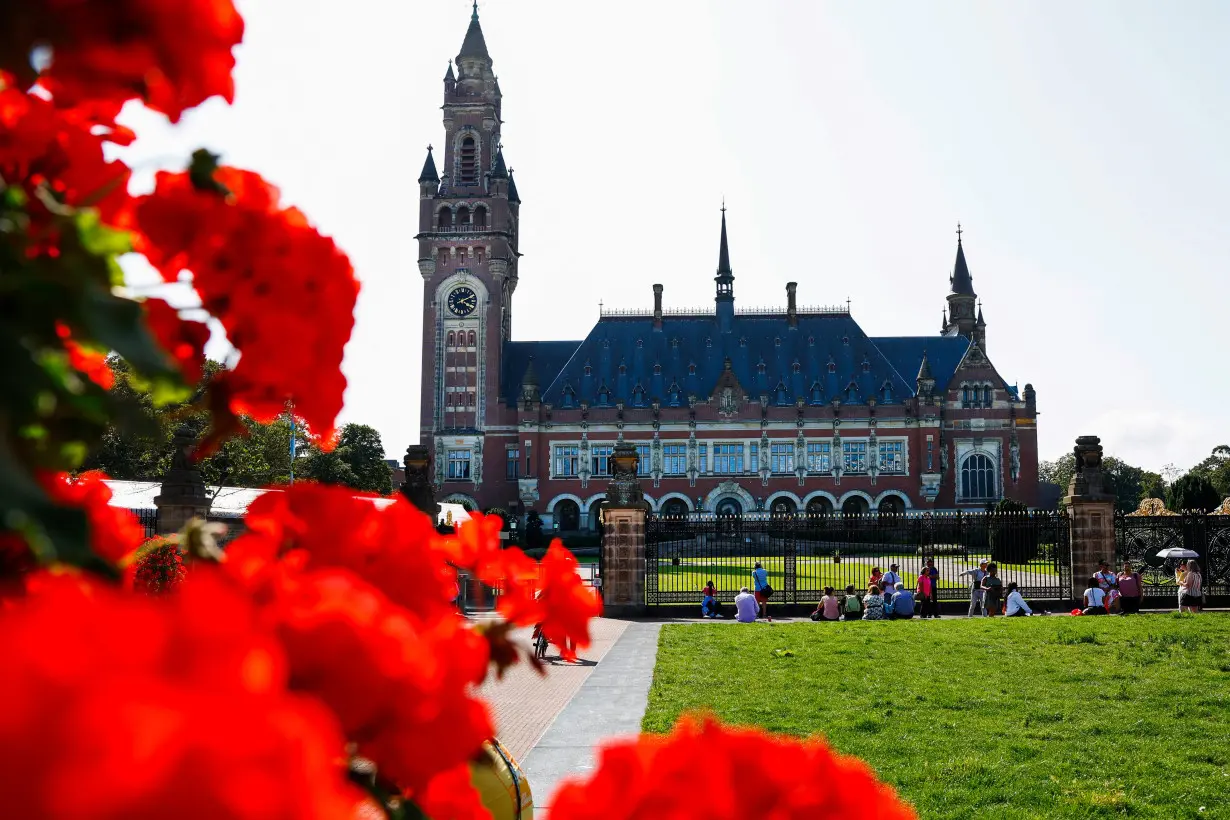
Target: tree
<point>1217,468</point>
<point>327,468</point>
<point>360,447</point>
<point>1193,492</point>
<point>1153,486</point>
<point>1126,481</point>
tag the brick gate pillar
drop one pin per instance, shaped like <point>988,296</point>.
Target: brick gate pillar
<point>623,538</point>
<point>182,496</point>
<point>1092,510</point>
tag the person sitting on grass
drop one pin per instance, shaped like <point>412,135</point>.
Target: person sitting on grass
<point>709,604</point>
<point>873,604</point>
<point>829,608</point>
<point>993,587</point>
<point>851,606</point>
<point>746,607</point>
<point>1094,599</point>
<point>1112,598</point>
<point>902,606</point>
<point>1016,603</point>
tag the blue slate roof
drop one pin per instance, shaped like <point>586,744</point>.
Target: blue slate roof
<point>549,359</point>
<point>944,353</point>
<point>827,356</point>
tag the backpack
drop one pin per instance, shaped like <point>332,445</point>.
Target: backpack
<point>853,604</point>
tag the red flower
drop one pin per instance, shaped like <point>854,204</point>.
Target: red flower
<point>172,56</point>
<point>159,567</point>
<point>92,363</point>
<point>41,147</point>
<point>124,706</point>
<point>183,340</point>
<point>707,771</point>
<point>114,532</point>
<point>393,681</point>
<point>284,293</point>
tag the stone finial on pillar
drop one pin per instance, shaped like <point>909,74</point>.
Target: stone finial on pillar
<point>1092,508</point>
<point>182,496</point>
<point>623,539</point>
<point>417,487</point>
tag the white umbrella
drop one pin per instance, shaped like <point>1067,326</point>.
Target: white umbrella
<point>1177,552</point>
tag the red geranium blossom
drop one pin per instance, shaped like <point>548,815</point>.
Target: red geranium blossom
<point>114,532</point>
<point>183,340</point>
<point>706,771</point>
<point>119,706</point>
<point>170,55</point>
<point>41,147</point>
<point>284,293</point>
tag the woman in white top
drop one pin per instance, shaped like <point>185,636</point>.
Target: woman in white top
<point>1191,589</point>
<point>1016,603</point>
<point>1095,599</point>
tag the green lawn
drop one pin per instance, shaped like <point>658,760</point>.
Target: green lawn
<point>1054,717</point>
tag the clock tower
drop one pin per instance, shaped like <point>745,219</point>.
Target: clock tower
<point>468,226</point>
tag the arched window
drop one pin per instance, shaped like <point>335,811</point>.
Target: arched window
<point>891,505</point>
<point>480,217</point>
<point>470,339</point>
<point>445,218</point>
<point>855,505</point>
<point>463,216</point>
<point>604,395</point>
<point>817,394</point>
<point>442,257</point>
<point>451,340</point>
<point>469,162</point>
<point>782,506</point>
<point>820,506</point>
<point>674,507</point>
<point>568,515</point>
<point>964,396</point>
<point>986,396</point>
<point>675,396</point>
<point>852,393</point>
<point>729,506</point>
<point>569,397</point>
<point>782,398</point>
<point>977,477</point>
<point>638,396</point>
<point>886,393</point>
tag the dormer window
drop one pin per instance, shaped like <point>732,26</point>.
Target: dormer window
<point>639,344</point>
<point>569,398</point>
<point>692,369</point>
<point>657,370</point>
<point>782,398</point>
<point>638,396</point>
<point>886,393</point>
<point>742,342</point>
<point>811,341</point>
<point>675,396</point>
<point>623,369</point>
<point>604,395</point>
<point>708,342</point>
<point>845,340</point>
<point>817,394</point>
<point>777,341</point>
<point>796,367</point>
<point>588,371</point>
<point>866,365</point>
<point>832,365</point>
<point>760,367</point>
<point>851,393</point>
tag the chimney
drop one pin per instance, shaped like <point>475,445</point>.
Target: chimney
<point>657,307</point>
<point>792,310</point>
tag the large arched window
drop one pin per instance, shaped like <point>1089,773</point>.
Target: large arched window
<point>452,339</point>
<point>674,507</point>
<point>480,217</point>
<point>819,506</point>
<point>463,217</point>
<point>782,506</point>
<point>469,162</point>
<point>445,220</point>
<point>977,477</point>
<point>568,515</point>
<point>854,505</point>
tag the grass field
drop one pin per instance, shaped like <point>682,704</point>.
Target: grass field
<point>1053,717</point>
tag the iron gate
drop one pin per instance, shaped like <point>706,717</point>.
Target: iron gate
<point>804,553</point>
<point>1139,539</point>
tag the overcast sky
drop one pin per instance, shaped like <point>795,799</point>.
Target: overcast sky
<point>1083,147</point>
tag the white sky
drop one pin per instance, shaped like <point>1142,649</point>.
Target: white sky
<point>1083,146</point>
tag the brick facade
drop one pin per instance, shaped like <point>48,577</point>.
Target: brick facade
<point>925,422</point>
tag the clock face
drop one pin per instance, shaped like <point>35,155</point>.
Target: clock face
<point>462,301</point>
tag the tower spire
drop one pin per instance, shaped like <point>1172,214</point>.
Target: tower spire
<point>961,281</point>
<point>725,279</point>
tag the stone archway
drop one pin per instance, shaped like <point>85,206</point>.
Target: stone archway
<point>729,489</point>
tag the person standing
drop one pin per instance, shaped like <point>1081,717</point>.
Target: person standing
<point>923,588</point>
<point>1191,589</point>
<point>1016,603</point>
<point>1130,589</point>
<point>993,587</point>
<point>746,607</point>
<point>891,579</point>
<point>976,592</point>
<point>935,587</point>
<point>760,583</point>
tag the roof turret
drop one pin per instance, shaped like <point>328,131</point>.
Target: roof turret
<point>474,45</point>
<point>429,173</point>
<point>960,280</point>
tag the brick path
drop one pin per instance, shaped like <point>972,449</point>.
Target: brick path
<point>525,703</point>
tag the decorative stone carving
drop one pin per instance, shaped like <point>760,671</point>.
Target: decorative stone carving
<point>624,489</point>
<point>1088,482</point>
<point>1014,456</point>
<point>527,490</point>
<point>476,465</point>
<point>417,488</point>
<point>1223,508</point>
<point>182,496</point>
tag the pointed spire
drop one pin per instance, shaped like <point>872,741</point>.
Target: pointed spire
<point>981,322</point>
<point>429,173</point>
<point>529,383</point>
<point>924,369</point>
<point>944,321</point>
<point>449,76</point>
<point>961,281</point>
<point>724,251</point>
<point>474,45</point>
<point>512,188</point>
<point>500,171</point>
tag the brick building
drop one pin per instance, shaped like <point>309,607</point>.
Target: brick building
<point>731,410</point>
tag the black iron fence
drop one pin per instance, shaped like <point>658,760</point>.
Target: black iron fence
<point>149,520</point>
<point>1143,539</point>
<point>805,553</point>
